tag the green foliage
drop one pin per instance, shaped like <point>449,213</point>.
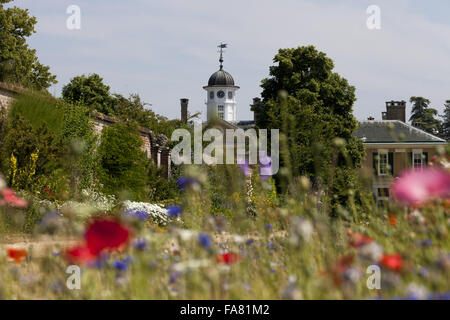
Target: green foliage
<point>21,141</point>
<point>18,63</point>
<point>423,116</point>
<point>82,159</point>
<point>446,121</point>
<point>89,91</point>
<point>123,165</point>
<point>39,109</point>
<point>312,106</point>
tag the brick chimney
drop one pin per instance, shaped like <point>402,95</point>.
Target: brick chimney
<point>184,109</point>
<point>395,110</point>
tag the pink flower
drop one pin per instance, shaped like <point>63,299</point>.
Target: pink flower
<point>9,197</point>
<point>417,186</point>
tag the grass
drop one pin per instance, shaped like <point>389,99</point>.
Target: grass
<point>39,108</point>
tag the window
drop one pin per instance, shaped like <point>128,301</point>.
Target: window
<point>383,192</point>
<point>211,94</point>
<point>220,110</point>
<point>230,95</point>
<point>383,163</point>
<point>417,159</point>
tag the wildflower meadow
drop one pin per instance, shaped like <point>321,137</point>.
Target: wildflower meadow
<point>289,248</point>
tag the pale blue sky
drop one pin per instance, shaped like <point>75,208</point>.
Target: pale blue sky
<point>166,50</point>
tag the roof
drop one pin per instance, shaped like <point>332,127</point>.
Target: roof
<point>221,78</point>
<point>393,131</point>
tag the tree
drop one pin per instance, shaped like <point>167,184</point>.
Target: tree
<point>89,91</point>
<point>312,106</point>
<point>446,123</point>
<point>123,165</point>
<point>424,117</point>
<point>18,63</point>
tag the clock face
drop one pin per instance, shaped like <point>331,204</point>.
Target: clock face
<point>220,94</point>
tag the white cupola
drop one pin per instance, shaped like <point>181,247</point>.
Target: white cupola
<point>221,94</point>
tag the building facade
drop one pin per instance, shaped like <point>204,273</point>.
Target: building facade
<point>391,146</point>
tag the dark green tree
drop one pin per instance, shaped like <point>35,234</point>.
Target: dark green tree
<point>423,116</point>
<point>446,121</point>
<point>18,63</point>
<point>89,91</point>
<point>312,106</point>
<point>122,164</point>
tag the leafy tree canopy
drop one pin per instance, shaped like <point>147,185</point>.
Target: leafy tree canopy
<point>446,121</point>
<point>423,116</point>
<point>18,63</point>
<point>89,91</point>
<point>312,106</point>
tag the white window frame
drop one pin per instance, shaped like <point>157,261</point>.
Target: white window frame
<point>413,154</point>
<point>380,153</point>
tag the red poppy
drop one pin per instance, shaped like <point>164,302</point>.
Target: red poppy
<point>9,197</point>
<point>105,234</point>
<point>101,234</point>
<point>392,220</point>
<point>80,254</point>
<point>46,189</point>
<point>16,254</point>
<point>392,261</point>
<point>358,239</point>
<point>339,268</point>
<point>228,258</point>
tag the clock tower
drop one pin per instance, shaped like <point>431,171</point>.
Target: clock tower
<point>221,93</point>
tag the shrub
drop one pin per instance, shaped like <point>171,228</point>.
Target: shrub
<point>122,164</point>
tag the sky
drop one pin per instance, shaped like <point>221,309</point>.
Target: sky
<point>166,50</point>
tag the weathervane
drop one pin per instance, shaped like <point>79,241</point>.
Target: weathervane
<point>221,47</point>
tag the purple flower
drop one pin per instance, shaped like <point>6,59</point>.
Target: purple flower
<point>185,182</point>
<point>204,240</point>
<point>174,211</point>
<point>138,214</point>
<point>249,241</point>
<point>140,244</point>
<point>244,167</point>
<point>174,276</point>
<point>265,169</point>
<point>122,265</point>
<point>268,227</point>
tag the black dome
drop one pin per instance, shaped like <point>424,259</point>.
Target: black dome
<point>221,78</point>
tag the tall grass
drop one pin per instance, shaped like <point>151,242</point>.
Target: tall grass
<point>37,109</point>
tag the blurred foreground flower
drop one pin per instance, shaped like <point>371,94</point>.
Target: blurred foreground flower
<point>418,186</point>
<point>358,239</point>
<point>101,234</point>
<point>392,261</point>
<point>174,211</point>
<point>228,258</point>
<point>185,182</point>
<point>16,254</point>
<point>9,197</point>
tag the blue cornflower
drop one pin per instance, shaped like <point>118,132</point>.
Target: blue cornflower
<point>204,240</point>
<point>268,227</point>
<point>122,265</point>
<point>249,241</point>
<point>139,214</point>
<point>174,211</point>
<point>185,182</point>
<point>174,276</point>
<point>140,244</point>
